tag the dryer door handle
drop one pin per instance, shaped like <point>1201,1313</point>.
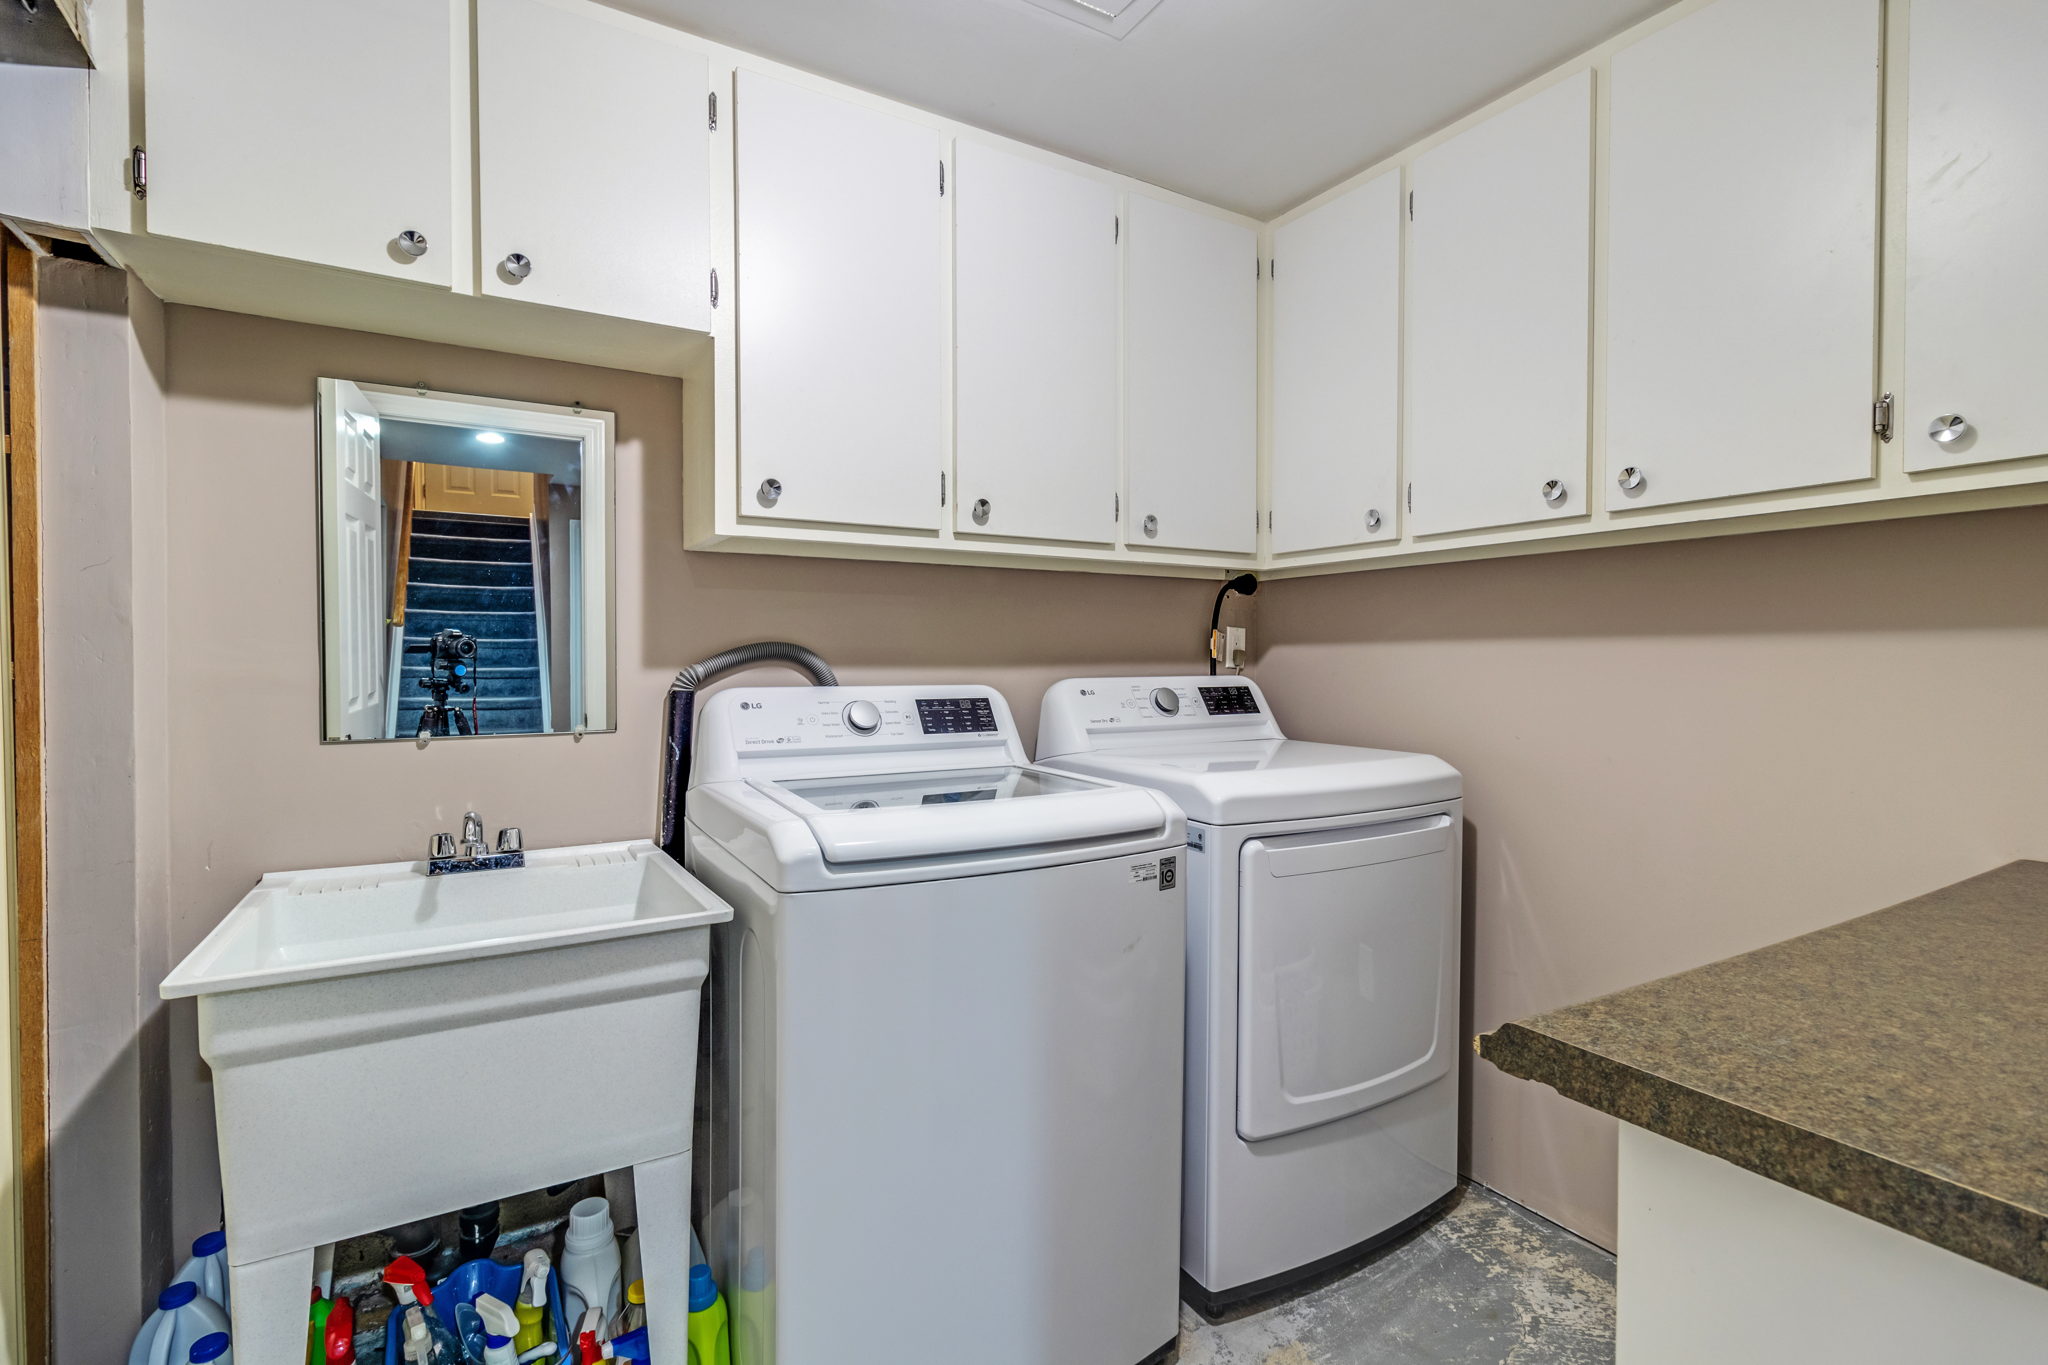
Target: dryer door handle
<point>1335,850</point>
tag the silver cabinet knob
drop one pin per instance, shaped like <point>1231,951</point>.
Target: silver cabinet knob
<point>1151,525</point>
<point>862,717</point>
<point>981,511</point>
<point>1948,428</point>
<point>1630,479</point>
<point>1373,519</point>
<point>518,266</point>
<point>1554,492</point>
<point>413,244</point>
<point>770,492</point>
<point>1166,701</point>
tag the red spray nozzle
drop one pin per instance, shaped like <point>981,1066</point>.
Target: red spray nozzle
<point>405,1273</point>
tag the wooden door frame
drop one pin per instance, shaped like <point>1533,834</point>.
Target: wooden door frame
<point>27,902</point>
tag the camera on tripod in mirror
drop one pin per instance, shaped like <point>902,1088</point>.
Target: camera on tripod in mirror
<point>451,669</point>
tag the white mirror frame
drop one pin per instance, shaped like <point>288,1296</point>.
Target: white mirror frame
<point>595,430</point>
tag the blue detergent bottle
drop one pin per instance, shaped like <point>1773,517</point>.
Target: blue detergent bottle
<point>183,1315</point>
<point>208,1268</point>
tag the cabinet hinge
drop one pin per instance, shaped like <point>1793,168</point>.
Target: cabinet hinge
<point>1116,504</point>
<point>1118,235</point>
<point>942,178</point>
<point>1411,496</point>
<point>138,172</point>
<point>714,111</point>
<point>714,286</point>
<point>942,488</point>
<point>1411,206</point>
<point>1269,521</point>
<point>1881,418</point>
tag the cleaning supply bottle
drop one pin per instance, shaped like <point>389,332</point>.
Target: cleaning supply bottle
<point>212,1349</point>
<point>208,1268</point>
<point>634,1314</point>
<point>532,1307</point>
<point>590,1338</point>
<point>423,1346</point>
<point>338,1342</point>
<point>316,1326</point>
<point>183,1315</point>
<point>589,1274</point>
<point>501,1325</point>
<point>476,1231</point>
<point>409,1283</point>
<point>710,1338</point>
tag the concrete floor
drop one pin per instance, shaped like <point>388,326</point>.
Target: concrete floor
<point>1486,1283</point>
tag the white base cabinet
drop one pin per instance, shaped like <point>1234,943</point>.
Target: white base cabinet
<point>1500,317</point>
<point>1742,252</point>
<point>1976,229</point>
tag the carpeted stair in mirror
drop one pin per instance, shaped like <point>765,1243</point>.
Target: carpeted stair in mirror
<point>474,574</point>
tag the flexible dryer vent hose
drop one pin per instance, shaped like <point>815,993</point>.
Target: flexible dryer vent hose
<point>682,698</point>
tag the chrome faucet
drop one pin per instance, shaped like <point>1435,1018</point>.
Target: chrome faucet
<point>445,855</point>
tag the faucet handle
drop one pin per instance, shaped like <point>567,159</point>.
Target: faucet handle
<point>442,845</point>
<point>510,840</point>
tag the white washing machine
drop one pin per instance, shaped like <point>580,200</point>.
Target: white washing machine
<point>949,1029</point>
<point>1323,944</point>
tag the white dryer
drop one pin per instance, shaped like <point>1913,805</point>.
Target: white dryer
<point>1323,944</point>
<point>948,1035</point>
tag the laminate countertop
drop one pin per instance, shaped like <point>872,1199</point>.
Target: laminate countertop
<point>1895,1065</point>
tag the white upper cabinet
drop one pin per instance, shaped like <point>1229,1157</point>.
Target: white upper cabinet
<point>1742,255</point>
<point>1976,233</point>
<point>842,328</point>
<point>1035,348</point>
<point>1191,302</point>
<point>1499,317</point>
<point>593,136</point>
<point>1336,365</point>
<point>295,130</point>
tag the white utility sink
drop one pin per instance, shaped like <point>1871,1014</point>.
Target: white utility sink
<point>387,1045</point>
<point>348,921</point>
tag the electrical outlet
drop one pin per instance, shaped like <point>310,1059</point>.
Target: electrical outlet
<point>1233,647</point>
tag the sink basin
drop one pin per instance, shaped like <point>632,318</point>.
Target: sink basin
<point>347,921</point>
<point>387,1046</point>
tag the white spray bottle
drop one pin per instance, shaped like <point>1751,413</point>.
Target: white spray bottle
<point>501,1324</point>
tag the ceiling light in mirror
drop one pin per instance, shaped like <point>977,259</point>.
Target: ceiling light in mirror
<point>491,438</point>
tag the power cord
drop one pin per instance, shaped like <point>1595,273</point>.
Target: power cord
<point>1244,585</point>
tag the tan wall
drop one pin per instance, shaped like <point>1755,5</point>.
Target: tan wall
<point>1675,753</point>
<point>253,789</point>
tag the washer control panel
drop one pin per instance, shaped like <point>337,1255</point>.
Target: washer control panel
<point>914,727</point>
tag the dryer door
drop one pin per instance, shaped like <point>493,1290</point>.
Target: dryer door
<point>1346,966</point>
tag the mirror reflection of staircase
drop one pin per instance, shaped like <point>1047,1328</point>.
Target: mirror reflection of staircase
<point>474,573</point>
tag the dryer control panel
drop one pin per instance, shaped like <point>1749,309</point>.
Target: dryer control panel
<point>1090,713</point>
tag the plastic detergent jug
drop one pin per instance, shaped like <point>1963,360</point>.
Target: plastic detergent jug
<point>589,1274</point>
<point>710,1338</point>
<point>183,1315</point>
<point>208,1268</point>
<point>211,1349</point>
<point>501,1324</point>
<point>532,1307</point>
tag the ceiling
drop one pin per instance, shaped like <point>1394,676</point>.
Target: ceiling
<point>1254,105</point>
<point>558,457</point>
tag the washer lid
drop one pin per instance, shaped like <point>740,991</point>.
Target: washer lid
<point>1247,781</point>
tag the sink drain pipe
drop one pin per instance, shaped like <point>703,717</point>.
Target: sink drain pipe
<point>682,700</point>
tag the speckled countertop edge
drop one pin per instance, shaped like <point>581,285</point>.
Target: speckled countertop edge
<point>1928,1205</point>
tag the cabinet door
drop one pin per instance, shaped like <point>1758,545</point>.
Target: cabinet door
<point>593,140</point>
<point>1742,257</point>
<point>842,331</point>
<point>1337,371</point>
<point>1191,359</point>
<point>296,130</point>
<point>1976,226</point>
<point>1035,350</point>
<point>1499,315</point>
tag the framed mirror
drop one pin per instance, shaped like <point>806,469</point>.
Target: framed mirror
<point>465,566</point>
